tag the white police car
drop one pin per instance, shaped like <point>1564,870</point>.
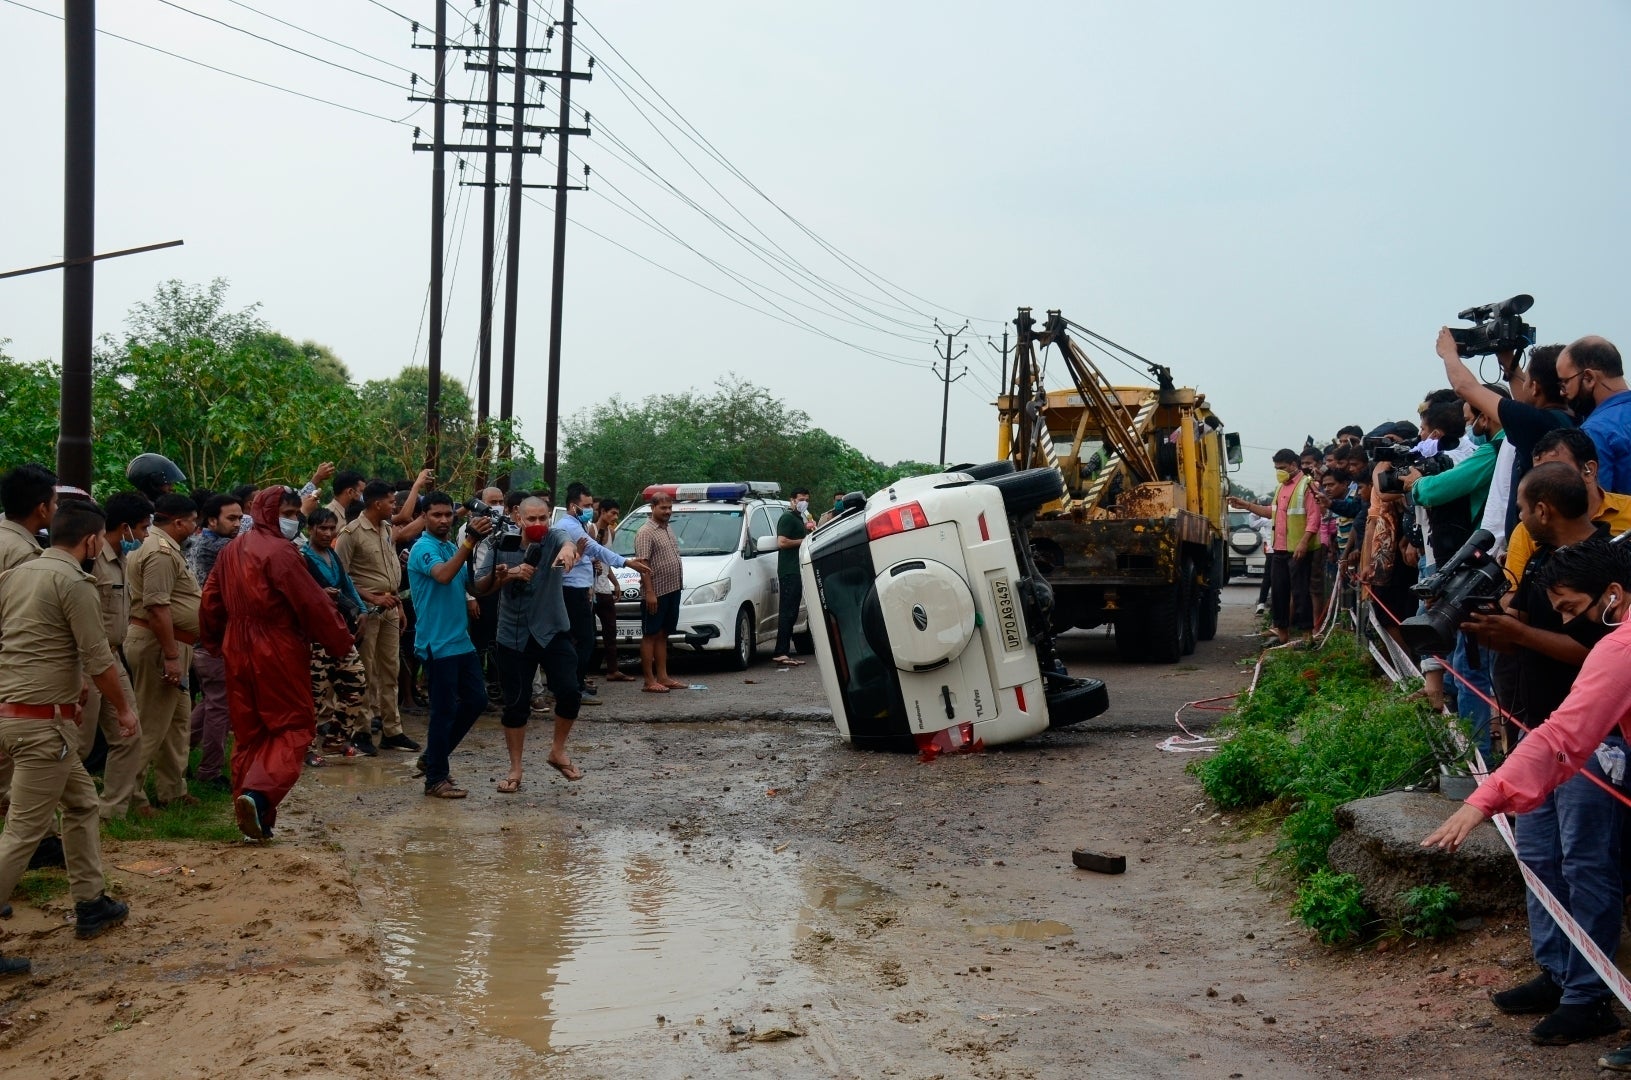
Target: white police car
<point>932,625</point>
<point>731,598</point>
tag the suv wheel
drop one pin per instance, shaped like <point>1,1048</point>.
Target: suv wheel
<point>746,640</point>
<point>1026,492</point>
<point>987,471</point>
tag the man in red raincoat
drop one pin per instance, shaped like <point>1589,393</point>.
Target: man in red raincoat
<point>262,610</point>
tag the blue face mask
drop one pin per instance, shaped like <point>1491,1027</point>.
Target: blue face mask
<point>586,515</point>
<point>129,547</point>
<point>1476,439</point>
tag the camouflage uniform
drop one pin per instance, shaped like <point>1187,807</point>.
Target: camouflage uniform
<point>340,691</point>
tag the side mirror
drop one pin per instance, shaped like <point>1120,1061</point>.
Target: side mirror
<point>764,545</point>
<point>1231,447</point>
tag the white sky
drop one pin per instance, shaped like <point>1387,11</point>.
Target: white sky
<point>1280,201</point>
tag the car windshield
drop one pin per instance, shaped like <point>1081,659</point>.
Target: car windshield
<point>697,532</point>
<point>1239,518</point>
<point>844,579</point>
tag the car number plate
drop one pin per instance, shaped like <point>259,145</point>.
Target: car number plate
<point>628,631</point>
<point>1007,615</point>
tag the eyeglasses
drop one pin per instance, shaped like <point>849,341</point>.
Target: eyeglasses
<point>1564,380</point>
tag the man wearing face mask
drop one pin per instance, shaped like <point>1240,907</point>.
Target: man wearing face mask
<point>791,529</point>
<point>577,583</point>
<point>261,612</point>
<point>1572,838</point>
<point>128,516</point>
<point>164,599</point>
<point>210,723</point>
<point>1592,380</point>
<point>1295,514</point>
<point>51,636</point>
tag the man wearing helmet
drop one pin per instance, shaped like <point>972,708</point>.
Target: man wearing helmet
<point>154,475</point>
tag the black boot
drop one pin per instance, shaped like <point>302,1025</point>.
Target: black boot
<point>99,915</point>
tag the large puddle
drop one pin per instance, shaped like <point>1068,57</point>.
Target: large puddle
<point>561,941</point>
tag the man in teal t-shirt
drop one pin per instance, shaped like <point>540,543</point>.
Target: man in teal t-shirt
<point>791,530</point>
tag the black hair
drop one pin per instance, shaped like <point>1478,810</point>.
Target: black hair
<point>74,520</point>
<point>1580,446</point>
<point>609,503</point>
<point>128,508</point>
<point>24,488</point>
<point>321,516</point>
<point>1448,418</point>
<point>1440,397</point>
<point>202,496</point>
<point>515,498</point>
<point>801,491</point>
<point>291,497</point>
<point>1589,566</point>
<point>576,491</point>
<point>1597,354</point>
<point>436,498</point>
<point>376,489</point>
<point>243,493</point>
<point>172,506</point>
<point>346,479</point>
<point>1559,486</point>
<point>1542,371</point>
<point>1352,429</point>
<point>1286,454</point>
<point>212,507</point>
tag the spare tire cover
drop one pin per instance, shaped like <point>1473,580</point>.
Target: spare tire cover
<point>928,611</point>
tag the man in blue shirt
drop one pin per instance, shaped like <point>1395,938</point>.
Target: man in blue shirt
<point>1592,379</point>
<point>577,584</point>
<point>441,638</point>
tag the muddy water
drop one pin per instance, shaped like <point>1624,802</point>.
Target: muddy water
<point>561,941</point>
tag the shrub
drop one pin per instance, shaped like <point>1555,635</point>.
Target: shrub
<point>1330,903</point>
<point>1250,769</point>
<point>1429,911</point>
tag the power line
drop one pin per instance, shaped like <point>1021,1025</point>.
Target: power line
<point>274,41</point>
<point>222,71</point>
<point>320,37</point>
<point>394,11</point>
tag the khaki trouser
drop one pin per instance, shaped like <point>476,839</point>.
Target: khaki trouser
<point>381,657</point>
<point>165,713</point>
<point>124,764</point>
<point>46,772</point>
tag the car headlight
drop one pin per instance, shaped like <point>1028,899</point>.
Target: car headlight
<point>711,593</point>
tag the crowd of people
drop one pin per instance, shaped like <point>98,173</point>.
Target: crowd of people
<point>156,622</point>
<point>1541,461</point>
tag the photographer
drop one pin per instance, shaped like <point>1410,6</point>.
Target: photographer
<point>1468,480</point>
<point>1568,829</point>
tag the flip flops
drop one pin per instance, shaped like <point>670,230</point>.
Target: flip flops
<point>509,785</point>
<point>786,661</point>
<point>562,769</point>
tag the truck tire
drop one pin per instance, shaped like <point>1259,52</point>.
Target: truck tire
<point>987,471</point>
<point>1211,601</point>
<point>1189,599</point>
<point>1164,623</point>
<point>1026,492</point>
<point>1130,636</point>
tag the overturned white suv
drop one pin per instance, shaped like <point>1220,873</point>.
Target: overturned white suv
<point>930,620</point>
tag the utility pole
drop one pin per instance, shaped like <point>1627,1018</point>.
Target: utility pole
<point>489,209</point>
<point>438,199</point>
<point>552,413</point>
<point>78,241</point>
<point>946,380</point>
<point>512,270</point>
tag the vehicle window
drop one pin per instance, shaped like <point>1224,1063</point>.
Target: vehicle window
<point>697,532</point>
<point>844,579</point>
<point>760,523</point>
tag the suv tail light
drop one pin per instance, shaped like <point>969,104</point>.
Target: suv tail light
<point>897,519</point>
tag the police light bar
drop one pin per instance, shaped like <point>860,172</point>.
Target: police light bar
<point>735,492</point>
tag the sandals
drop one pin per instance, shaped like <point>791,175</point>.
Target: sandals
<point>509,785</point>
<point>618,676</point>
<point>786,661</point>
<point>444,789</point>
<point>314,760</point>
<point>574,774</point>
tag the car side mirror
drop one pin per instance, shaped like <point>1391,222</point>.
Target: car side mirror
<point>764,545</point>
<point>1231,448</point>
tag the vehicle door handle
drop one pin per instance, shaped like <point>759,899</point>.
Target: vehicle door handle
<point>945,695</point>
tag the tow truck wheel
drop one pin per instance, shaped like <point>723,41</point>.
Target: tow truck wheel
<point>1189,602</point>
<point>742,654</point>
<point>1164,616</point>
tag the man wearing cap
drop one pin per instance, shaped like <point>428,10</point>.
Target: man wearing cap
<point>367,549</point>
<point>51,635</point>
<point>28,495</point>
<point>164,598</point>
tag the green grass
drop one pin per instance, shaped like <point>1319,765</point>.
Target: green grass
<point>39,887</point>
<point>211,820</point>
<point>1319,731</point>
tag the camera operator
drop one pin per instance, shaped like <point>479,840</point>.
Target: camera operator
<point>1571,839</point>
<point>1470,480</point>
<point>1574,448</point>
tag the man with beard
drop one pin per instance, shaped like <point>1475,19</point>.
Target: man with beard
<point>1592,380</point>
<point>261,612</point>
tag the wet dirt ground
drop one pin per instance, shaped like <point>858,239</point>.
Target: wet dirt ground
<point>734,892</point>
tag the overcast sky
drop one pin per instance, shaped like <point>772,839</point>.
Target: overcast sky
<point>1281,202</point>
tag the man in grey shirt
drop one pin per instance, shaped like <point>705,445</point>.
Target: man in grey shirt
<point>534,631</point>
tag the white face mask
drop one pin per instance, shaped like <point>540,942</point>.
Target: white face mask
<point>290,527</point>
<point>802,505</point>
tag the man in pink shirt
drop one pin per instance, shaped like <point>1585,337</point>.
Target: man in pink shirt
<point>1296,516</point>
<point>1592,581</point>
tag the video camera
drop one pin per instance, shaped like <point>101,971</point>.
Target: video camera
<point>1499,329</point>
<point>1470,580</point>
<point>1403,455</point>
<point>506,534</point>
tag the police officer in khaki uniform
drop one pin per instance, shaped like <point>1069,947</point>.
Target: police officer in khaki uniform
<point>368,552</point>
<point>28,495</point>
<point>128,516</point>
<point>50,633</point>
<point>164,600</point>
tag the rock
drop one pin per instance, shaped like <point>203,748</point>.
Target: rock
<point>1380,844</point>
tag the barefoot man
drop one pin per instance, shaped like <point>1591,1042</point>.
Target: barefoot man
<point>660,593</point>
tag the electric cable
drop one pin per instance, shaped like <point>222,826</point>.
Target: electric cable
<point>279,44</point>
<point>320,37</point>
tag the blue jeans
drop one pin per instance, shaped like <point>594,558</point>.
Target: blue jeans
<point>1473,664</point>
<point>1572,843</point>
<point>458,694</point>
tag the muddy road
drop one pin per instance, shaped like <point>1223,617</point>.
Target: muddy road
<point>733,892</point>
